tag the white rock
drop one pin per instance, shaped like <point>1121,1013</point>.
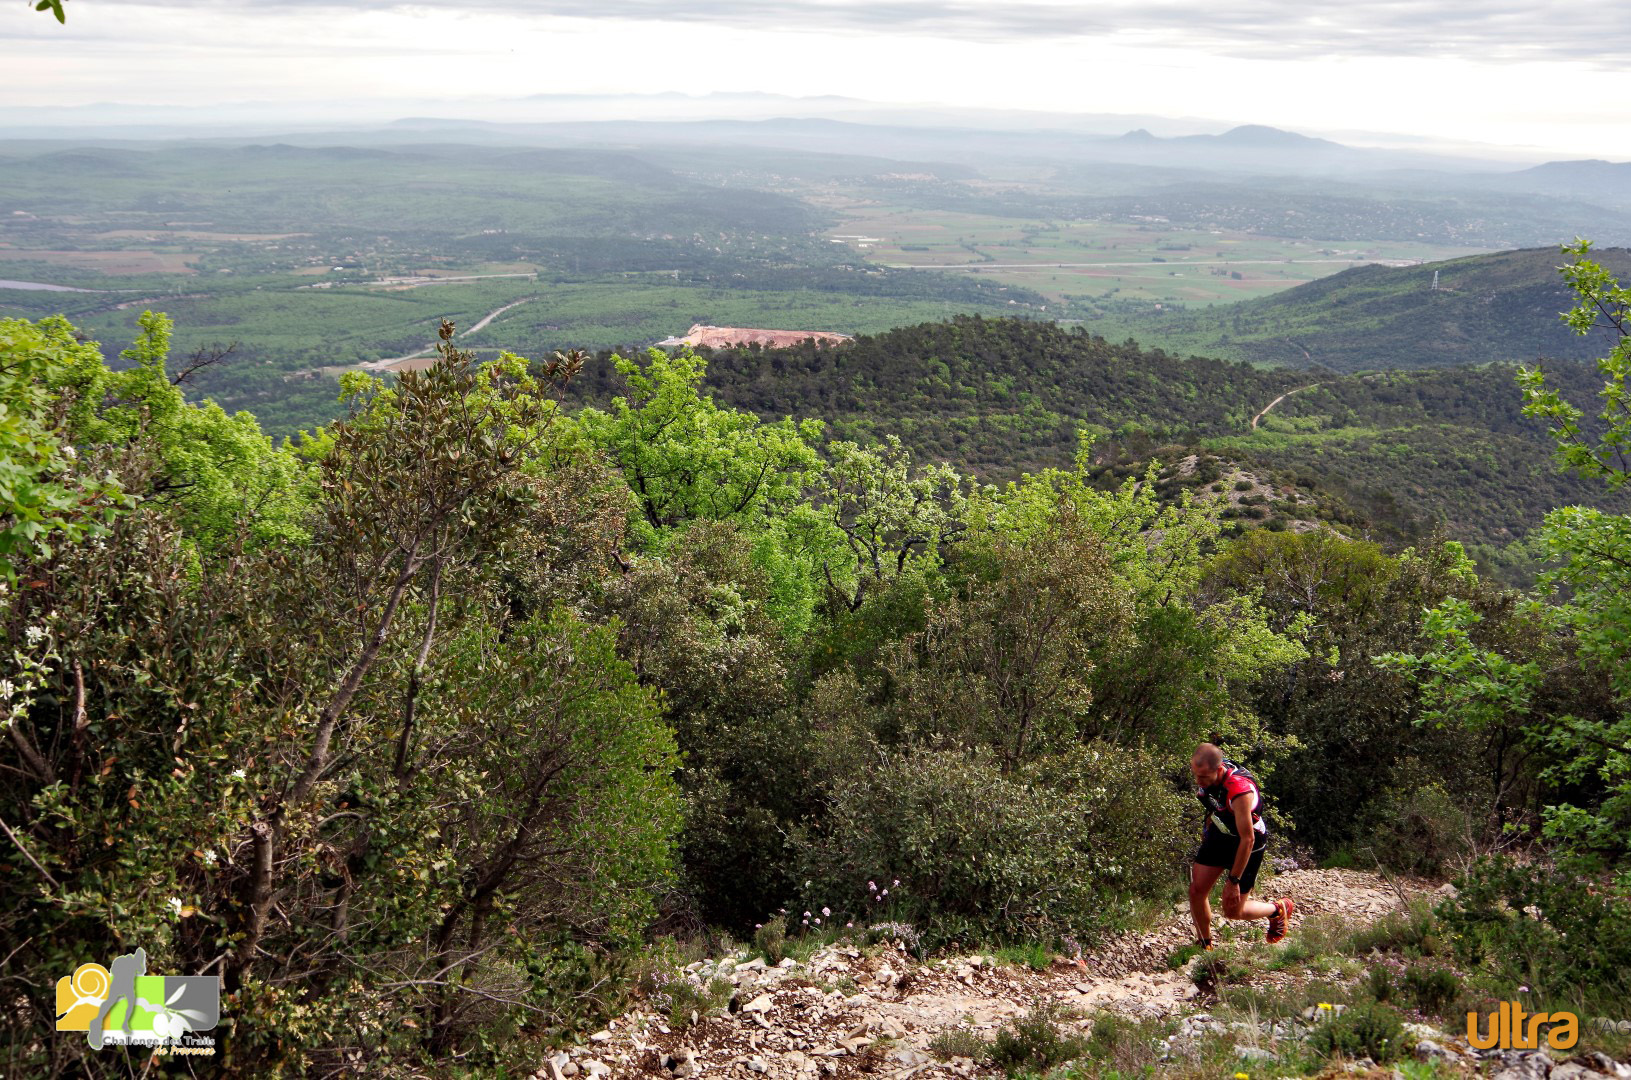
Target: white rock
<point>1609,1065</point>
<point>788,963</point>
<point>757,1065</point>
<point>601,1036</point>
<point>761,1004</point>
<point>595,1069</point>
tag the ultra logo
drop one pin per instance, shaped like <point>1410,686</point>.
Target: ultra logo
<point>1513,1029</point>
<point>127,1005</point>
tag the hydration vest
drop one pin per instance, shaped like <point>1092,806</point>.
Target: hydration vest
<point>1215,800</point>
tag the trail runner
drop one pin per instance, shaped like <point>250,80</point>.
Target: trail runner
<point>1232,847</point>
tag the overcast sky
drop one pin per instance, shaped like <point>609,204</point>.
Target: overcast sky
<point>1509,72</point>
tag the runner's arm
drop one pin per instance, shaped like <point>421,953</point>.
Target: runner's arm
<point>1243,828</point>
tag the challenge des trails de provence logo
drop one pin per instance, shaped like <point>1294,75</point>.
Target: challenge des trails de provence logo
<point>127,1006</point>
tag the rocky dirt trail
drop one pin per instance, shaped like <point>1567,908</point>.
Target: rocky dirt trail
<point>850,1011</point>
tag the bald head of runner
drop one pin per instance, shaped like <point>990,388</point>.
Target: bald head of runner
<point>1206,764</point>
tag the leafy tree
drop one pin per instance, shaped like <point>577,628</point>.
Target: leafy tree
<point>1595,550</point>
<point>46,495</point>
<point>1006,665</point>
<point>1179,671</point>
<point>1474,683</point>
<point>894,518</point>
<point>1339,711</point>
<point>223,473</point>
<point>685,458</point>
<point>379,776</point>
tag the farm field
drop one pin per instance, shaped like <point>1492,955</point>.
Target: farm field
<point>1067,260</point>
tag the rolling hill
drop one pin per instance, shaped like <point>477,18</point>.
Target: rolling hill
<point>1502,306</point>
<point>1387,455</point>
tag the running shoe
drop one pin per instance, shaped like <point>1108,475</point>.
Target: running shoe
<point>1280,921</point>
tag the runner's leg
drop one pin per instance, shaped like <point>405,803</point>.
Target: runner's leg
<point>1201,880</point>
<point>1249,909</point>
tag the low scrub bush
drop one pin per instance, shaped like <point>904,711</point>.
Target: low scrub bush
<point>576,987</point>
<point>685,997</point>
<point>1036,956</point>
<point>956,1042</point>
<point>1117,1046</point>
<point>1369,1029</point>
<point>1056,847</point>
<point>1035,1043</point>
<point>771,940</point>
<point>1379,983</point>
<point>1415,932</point>
<point>1431,989</point>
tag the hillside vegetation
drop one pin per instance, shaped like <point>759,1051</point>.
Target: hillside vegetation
<point>1502,306</point>
<point>1389,456</point>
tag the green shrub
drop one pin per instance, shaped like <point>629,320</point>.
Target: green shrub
<point>1117,1046</point>
<point>1057,847</point>
<point>1034,955</point>
<point>957,1042</point>
<point>578,988</point>
<point>1034,1042</point>
<point>684,996</point>
<point>771,940</point>
<point>1431,989</point>
<point>1244,485</point>
<point>1414,932</point>
<point>1183,955</point>
<point>1368,1029</point>
<point>1556,931</point>
<point>1379,982</point>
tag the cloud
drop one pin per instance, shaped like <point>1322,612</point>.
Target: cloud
<point>1478,30</point>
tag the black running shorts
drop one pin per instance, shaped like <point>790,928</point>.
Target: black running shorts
<point>1218,849</point>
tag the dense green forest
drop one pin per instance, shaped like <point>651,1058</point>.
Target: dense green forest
<point>1389,456</point>
<point>436,734</point>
